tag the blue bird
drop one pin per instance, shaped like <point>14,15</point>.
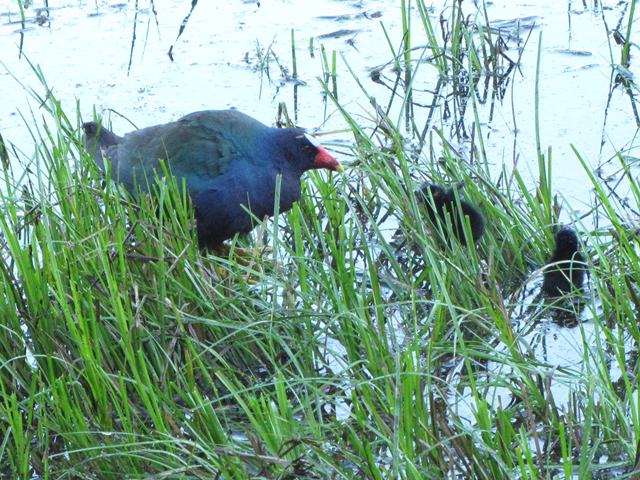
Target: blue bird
<point>228,160</point>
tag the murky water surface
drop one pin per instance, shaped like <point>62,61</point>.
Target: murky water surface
<point>238,54</point>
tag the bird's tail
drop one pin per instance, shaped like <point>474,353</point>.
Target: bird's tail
<point>96,136</point>
<point>97,141</point>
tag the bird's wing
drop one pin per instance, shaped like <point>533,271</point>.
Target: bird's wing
<point>194,152</point>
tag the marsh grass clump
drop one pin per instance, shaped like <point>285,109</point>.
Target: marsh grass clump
<point>128,352</point>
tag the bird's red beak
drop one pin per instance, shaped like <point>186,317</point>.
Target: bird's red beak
<point>324,159</point>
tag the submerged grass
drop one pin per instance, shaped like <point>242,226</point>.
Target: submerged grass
<point>362,344</point>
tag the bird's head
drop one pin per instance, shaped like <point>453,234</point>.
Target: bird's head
<point>308,154</point>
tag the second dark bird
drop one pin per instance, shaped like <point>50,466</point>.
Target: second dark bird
<point>444,201</point>
<point>566,268</point>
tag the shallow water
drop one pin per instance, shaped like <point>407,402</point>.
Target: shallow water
<point>84,51</point>
<point>84,54</point>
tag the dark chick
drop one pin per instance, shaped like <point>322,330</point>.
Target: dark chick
<point>228,160</point>
<point>566,268</point>
<point>445,201</point>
